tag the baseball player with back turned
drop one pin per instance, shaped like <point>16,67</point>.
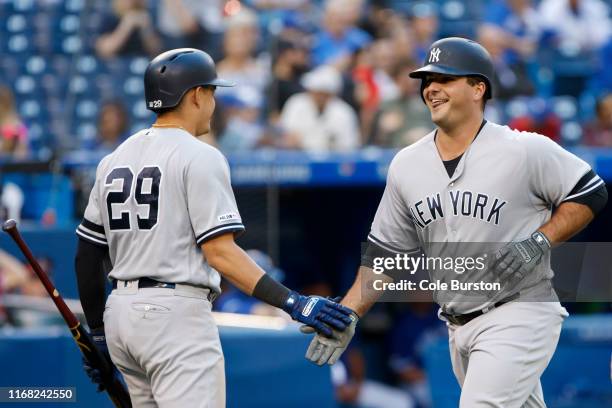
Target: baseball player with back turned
<point>162,217</point>
<point>475,181</point>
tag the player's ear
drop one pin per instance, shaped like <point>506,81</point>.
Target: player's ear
<point>479,90</point>
<point>198,93</point>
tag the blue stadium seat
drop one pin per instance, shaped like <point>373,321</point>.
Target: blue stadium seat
<point>86,132</point>
<point>571,133</point>
<point>36,65</point>
<point>517,107</point>
<point>72,44</point>
<point>73,6</point>
<point>134,85</point>
<point>494,112</point>
<point>22,6</point>
<point>16,24</point>
<point>89,65</point>
<point>453,10</point>
<point>138,65</point>
<point>26,85</point>
<point>86,109</point>
<point>32,109</point>
<point>18,44</point>
<point>566,107</point>
<point>36,134</point>
<point>139,111</point>
<point>538,107</point>
<point>79,85</point>
<point>67,24</point>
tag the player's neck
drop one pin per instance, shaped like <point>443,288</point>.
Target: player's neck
<point>171,120</point>
<point>454,141</point>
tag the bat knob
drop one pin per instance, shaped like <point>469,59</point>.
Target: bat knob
<point>9,225</point>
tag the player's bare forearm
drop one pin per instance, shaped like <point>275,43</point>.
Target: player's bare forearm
<point>567,221</point>
<point>361,296</point>
<point>223,254</point>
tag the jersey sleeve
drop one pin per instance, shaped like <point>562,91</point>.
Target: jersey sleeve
<point>91,228</point>
<point>553,171</point>
<point>210,199</point>
<point>393,228</point>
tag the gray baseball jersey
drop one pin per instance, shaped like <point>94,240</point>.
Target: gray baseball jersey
<point>156,198</point>
<point>502,190</point>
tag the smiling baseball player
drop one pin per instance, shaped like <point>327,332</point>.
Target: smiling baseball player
<point>162,211</point>
<point>475,181</point>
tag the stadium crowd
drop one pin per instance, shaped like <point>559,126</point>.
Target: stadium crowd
<point>317,76</point>
<point>312,75</point>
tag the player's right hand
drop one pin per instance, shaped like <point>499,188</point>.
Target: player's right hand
<point>328,350</point>
<point>94,374</point>
<point>320,313</point>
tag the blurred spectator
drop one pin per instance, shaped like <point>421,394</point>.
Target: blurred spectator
<point>424,22</point>
<point>233,300</point>
<point>602,80</point>
<point>290,63</point>
<point>405,119</point>
<point>540,118</point>
<point>339,36</point>
<point>513,27</point>
<point>364,95</point>
<point>12,275</point>
<point>113,127</point>
<point>384,60</point>
<point>511,74</point>
<point>575,30</point>
<point>317,120</point>
<point>13,131</point>
<point>192,23</point>
<point>33,288</point>
<point>129,30</point>
<point>239,64</point>
<point>11,201</point>
<point>599,132</point>
<point>404,41</point>
<point>415,329</point>
<point>244,128</point>
<point>354,389</point>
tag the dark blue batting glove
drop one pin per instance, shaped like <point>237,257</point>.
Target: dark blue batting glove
<point>318,312</point>
<point>94,374</point>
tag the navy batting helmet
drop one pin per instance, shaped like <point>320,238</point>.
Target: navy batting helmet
<point>458,57</point>
<point>171,74</point>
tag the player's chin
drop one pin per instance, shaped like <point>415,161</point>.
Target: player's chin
<point>438,113</point>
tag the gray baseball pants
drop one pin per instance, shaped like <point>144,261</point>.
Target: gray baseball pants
<point>166,344</point>
<point>498,357</point>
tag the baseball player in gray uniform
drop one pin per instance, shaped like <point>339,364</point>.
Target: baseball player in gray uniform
<point>162,218</point>
<point>475,181</point>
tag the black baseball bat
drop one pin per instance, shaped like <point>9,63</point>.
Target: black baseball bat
<point>116,391</point>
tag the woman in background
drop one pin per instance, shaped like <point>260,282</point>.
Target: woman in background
<point>14,134</point>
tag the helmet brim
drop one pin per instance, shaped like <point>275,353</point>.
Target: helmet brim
<point>439,69</point>
<point>221,82</point>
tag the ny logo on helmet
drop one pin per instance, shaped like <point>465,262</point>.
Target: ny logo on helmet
<point>434,55</point>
